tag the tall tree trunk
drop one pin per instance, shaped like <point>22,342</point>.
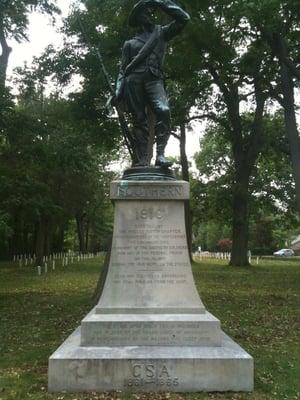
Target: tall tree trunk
<point>48,239</point>
<point>26,243</point>
<point>16,240</point>
<point>186,177</point>
<point>80,232</point>
<point>40,240</point>
<point>245,153</point>
<point>240,223</point>
<point>6,50</point>
<point>61,238</point>
<point>87,234</point>
<point>291,125</point>
<point>288,70</point>
<point>183,157</point>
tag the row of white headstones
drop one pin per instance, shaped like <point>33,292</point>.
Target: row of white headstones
<point>51,261</point>
<point>220,256</point>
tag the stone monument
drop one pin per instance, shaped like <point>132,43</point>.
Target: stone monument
<point>150,330</point>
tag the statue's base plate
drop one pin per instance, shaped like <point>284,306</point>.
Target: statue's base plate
<point>74,368</point>
<point>149,174</point>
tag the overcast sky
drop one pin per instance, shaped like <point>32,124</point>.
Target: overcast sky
<point>41,33</point>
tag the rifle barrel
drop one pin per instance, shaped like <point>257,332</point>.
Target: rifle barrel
<point>129,140</point>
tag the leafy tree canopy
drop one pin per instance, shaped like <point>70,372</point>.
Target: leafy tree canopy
<point>14,15</point>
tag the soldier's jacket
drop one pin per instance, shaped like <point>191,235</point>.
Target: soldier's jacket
<point>154,61</point>
<point>146,51</point>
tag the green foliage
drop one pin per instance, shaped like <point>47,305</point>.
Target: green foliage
<point>14,15</point>
<point>221,64</point>
<point>52,169</point>
<point>5,229</point>
<point>208,234</point>
<point>272,187</point>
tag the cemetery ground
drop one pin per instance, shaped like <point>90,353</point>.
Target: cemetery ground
<point>258,307</point>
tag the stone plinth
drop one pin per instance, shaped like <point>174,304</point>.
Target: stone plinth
<point>150,330</point>
<point>74,368</point>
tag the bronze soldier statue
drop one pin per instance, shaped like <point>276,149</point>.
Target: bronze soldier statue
<point>140,84</point>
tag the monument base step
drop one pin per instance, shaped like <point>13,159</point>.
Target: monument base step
<point>150,330</point>
<point>73,368</point>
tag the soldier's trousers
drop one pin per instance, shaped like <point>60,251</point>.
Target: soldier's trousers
<point>144,90</point>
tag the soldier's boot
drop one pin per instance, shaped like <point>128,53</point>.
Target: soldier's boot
<point>161,160</point>
<point>161,143</point>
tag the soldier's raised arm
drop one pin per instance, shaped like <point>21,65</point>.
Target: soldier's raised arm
<point>180,18</point>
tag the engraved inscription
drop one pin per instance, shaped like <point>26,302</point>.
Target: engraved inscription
<point>149,251</point>
<point>149,258</point>
<point>145,374</point>
<point>154,333</point>
<point>150,213</point>
<point>157,192</point>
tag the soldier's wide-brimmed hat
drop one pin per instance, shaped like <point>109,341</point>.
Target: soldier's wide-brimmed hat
<point>137,10</point>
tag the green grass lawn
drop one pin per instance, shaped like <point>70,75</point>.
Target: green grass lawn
<point>259,307</point>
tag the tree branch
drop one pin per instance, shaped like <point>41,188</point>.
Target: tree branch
<point>292,67</point>
<point>175,135</point>
<point>6,50</point>
<point>231,99</point>
<point>202,116</point>
<point>274,93</point>
<point>218,80</point>
<point>210,116</point>
<point>279,48</point>
<point>257,125</point>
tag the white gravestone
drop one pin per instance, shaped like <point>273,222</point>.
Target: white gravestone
<point>150,331</point>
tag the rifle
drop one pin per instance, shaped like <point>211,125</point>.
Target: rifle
<point>128,138</point>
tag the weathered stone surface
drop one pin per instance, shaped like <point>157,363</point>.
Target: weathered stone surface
<point>74,368</point>
<point>150,270</point>
<point>150,330</point>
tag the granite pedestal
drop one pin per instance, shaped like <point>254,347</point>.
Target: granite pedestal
<point>150,330</point>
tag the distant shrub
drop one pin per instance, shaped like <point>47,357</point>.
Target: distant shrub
<point>224,245</point>
<point>262,251</point>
